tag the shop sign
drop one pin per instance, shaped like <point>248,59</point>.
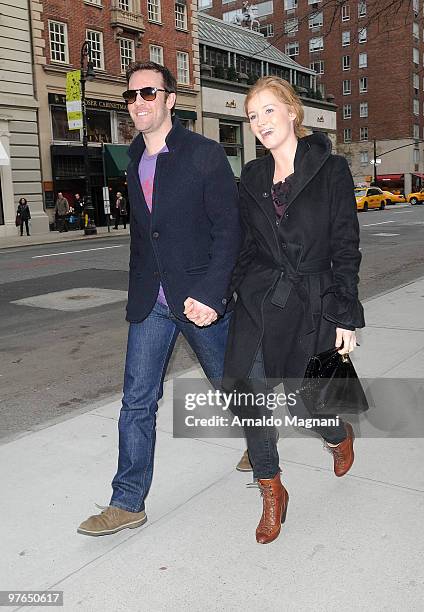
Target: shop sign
<point>94,103</point>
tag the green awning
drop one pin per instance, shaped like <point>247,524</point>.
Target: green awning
<point>116,160</point>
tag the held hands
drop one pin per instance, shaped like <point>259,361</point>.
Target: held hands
<point>347,338</point>
<point>198,313</point>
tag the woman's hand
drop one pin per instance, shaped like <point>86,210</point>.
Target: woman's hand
<point>346,337</point>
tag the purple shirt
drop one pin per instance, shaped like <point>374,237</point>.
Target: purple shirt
<point>146,174</point>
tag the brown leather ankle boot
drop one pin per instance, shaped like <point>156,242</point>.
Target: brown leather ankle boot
<point>343,454</point>
<point>275,501</point>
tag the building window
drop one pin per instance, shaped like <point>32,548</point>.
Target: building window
<point>290,4</point>
<point>347,87</point>
<point>363,133</point>
<point>124,5</point>
<point>96,2</point>
<point>347,111</point>
<point>183,75</point>
<point>230,138</point>
<point>416,106</point>
<point>362,35</point>
<point>415,56</point>
<point>58,34</point>
<point>60,126</point>
<point>416,132</point>
<point>415,6</point>
<point>318,66</point>
<point>292,49</point>
<point>265,8</point>
<point>267,30</point>
<point>346,62</point>
<point>363,85</point>
<point>363,60</point>
<point>154,10</point>
<point>314,1</point>
<point>156,54</point>
<point>180,16</point>
<point>96,43</point>
<point>347,135</point>
<point>364,157</point>
<point>315,20</point>
<point>362,9</point>
<point>316,44</point>
<point>321,89</point>
<point>291,25</point>
<point>126,48</point>
<point>416,80</point>
<point>345,39</point>
<point>345,12</point>
<point>205,4</point>
<point>415,31</point>
<point>363,109</point>
<point>416,156</point>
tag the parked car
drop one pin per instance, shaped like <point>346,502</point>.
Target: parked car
<point>416,198</point>
<point>394,198</point>
<point>370,197</point>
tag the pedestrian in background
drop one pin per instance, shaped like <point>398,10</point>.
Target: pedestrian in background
<point>24,215</point>
<point>61,210</point>
<point>120,210</point>
<point>79,210</point>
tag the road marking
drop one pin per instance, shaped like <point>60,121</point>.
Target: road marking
<point>116,246</point>
<point>385,234</point>
<point>380,223</point>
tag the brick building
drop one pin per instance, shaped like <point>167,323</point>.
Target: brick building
<point>119,32</point>
<point>372,68</point>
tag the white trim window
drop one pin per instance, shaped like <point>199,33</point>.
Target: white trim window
<point>416,132</point>
<point>363,134</point>
<point>156,54</point>
<point>363,85</point>
<point>346,62</point>
<point>347,135</point>
<point>125,5</point>
<point>363,109</point>
<point>416,107</point>
<point>316,20</point>
<point>289,5</point>
<point>126,50</point>
<point>291,25</point>
<point>292,49</point>
<point>183,68</point>
<point>180,15</point>
<point>347,87</point>
<point>95,39</point>
<point>345,12</point>
<point>95,2</point>
<point>321,89</point>
<point>347,111</point>
<point>416,31</point>
<point>416,80</point>
<point>362,35</point>
<point>154,12</point>
<point>363,60</point>
<point>415,55</point>
<point>318,66</point>
<point>58,36</point>
<point>316,44</point>
<point>345,38</point>
<point>362,9</point>
<point>314,1</point>
<point>364,158</point>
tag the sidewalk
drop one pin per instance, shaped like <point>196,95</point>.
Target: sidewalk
<point>11,242</point>
<point>352,544</point>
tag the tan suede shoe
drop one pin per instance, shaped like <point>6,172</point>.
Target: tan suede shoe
<point>244,464</point>
<point>111,520</point>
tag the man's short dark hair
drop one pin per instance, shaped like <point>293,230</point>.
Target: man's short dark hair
<point>169,81</point>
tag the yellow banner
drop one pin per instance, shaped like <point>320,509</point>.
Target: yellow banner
<point>73,100</point>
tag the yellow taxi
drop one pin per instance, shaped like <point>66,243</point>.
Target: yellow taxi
<point>416,198</point>
<point>370,197</point>
<point>394,198</point>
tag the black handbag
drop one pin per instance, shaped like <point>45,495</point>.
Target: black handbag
<point>331,384</point>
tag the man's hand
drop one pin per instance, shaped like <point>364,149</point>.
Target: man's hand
<point>347,337</point>
<point>198,313</point>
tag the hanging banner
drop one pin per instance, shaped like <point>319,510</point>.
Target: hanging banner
<point>73,100</point>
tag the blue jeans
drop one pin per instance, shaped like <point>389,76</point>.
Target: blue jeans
<point>150,345</point>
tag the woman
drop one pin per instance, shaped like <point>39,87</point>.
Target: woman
<point>301,242</point>
<point>24,215</point>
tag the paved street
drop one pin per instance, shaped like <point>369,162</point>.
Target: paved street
<point>57,362</point>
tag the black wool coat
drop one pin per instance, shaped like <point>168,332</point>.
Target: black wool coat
<point>191,239</point>
<point>284,270</point>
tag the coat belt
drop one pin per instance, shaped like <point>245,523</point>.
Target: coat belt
<point>291,277</point>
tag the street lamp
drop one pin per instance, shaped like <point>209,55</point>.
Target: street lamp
<point>87,74</point>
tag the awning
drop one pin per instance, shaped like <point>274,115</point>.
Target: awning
<point>186,114</point>
<point>116,160</point>
<point>390,177</point>
<point>4,158</point>
<point>419,174</point>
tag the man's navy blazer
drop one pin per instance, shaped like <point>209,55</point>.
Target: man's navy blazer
<point>191,240</point>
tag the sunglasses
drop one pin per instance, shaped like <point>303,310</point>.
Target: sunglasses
<point>147,93</point>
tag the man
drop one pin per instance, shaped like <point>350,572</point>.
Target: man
<point>120,210</point>
<point>79,210</point>
<point>61,210</point>
<point>185,237</point>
